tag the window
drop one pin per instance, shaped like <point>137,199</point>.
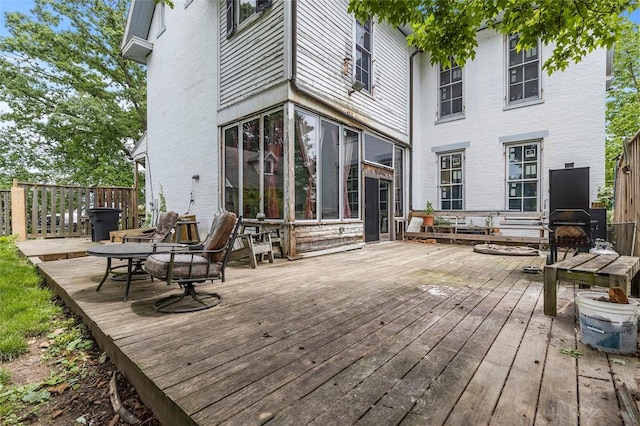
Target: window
<point>363,54</point>
<point>254,166</point>
<point>239,11</point>
<point>451,181</point>
<point>378,150</point>
<point>523,72</point>
<point>450,90</point>
<point>523,176</point>
<point>326,169</point>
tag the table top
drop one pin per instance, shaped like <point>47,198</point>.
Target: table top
<point>127,250</point>
<point>603,264</point>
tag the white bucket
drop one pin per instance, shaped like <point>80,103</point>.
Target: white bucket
<point>609,327</point>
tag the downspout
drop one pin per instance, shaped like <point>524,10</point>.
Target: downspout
<point>411,141</point>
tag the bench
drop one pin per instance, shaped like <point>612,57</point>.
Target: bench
<point>591,269</point>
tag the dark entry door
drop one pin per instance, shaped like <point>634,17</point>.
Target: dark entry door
<point>371,209</point>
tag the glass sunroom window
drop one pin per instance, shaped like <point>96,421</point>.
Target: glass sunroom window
<point>378,150</point>
<point>251,168</point>
<point>274,170</point>
<point>330,166</point>
<point>350,174</point>
<point>326,169</point>
<point>254,166</point>
<point>306,136</point>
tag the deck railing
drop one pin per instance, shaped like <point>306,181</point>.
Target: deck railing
<point>41,210</point>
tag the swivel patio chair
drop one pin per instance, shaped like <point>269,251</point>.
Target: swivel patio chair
<point>196,266</point>
<point>165,228</point>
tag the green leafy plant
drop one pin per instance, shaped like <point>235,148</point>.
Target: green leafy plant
<point>441,221</point>
<point>428,208</point>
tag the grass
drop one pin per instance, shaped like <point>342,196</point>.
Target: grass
<point>27,308</point>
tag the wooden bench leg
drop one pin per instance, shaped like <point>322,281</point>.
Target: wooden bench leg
<point>550,291</point>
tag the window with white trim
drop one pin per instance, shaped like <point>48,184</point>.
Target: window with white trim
<point>450,90</point>
<point>523,72</point>
<point>523,176</point>
<point>363,63</point>
<point>451,181</point>
<point>239,11</point>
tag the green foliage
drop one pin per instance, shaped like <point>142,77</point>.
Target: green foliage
<point>441,221</point>
<point>449,28</point>
<point>623,103</point>
<point>163,200</point>
<point>26,308</point>
<point>428,208</point>
<point>76,106</point>
<point>605,196</point>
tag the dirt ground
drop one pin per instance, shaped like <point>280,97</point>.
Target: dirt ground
<point>89,400</point>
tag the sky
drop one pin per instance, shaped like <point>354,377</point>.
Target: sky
<point>12,6</point>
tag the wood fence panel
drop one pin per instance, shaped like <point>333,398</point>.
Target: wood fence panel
<point>5,212</point>
<point>627,191</point>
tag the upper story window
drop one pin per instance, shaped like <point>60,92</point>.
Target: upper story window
<point>523,72</point>
<point>363,54</point>
<point>450,90</point>
<point>239,11</point>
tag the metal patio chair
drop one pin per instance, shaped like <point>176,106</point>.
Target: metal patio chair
<point>196,266</point>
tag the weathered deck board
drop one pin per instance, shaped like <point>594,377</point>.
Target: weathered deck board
<point>399,332</point>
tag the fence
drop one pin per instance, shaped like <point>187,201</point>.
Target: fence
<point>40,210</point>
<point>5,212</point>
<point>626,214</point>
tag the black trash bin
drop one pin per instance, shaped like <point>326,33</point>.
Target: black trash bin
<point>103,220</point>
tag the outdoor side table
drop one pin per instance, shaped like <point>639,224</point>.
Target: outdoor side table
<point>591,269</point>
<point>129,252</point>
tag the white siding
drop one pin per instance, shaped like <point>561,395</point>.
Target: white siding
<point>572,112</point>
<point>252,59</point>
<point>325,36</point>
<point>182,119</point>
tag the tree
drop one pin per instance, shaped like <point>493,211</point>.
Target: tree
<point>623,103</point>
<point>76,106</point>
<point>445,28</point>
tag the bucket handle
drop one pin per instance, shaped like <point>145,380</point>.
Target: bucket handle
<point>595,329</point>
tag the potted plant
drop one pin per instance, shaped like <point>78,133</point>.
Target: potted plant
<point>427,219</point>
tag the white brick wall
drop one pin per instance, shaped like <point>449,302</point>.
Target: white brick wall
<point>573,114</point>
<point>182,120</point>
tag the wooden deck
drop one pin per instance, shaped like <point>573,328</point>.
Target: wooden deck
<point>394,333</point>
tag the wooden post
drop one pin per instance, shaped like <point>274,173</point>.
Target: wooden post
<point>18,211</point>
